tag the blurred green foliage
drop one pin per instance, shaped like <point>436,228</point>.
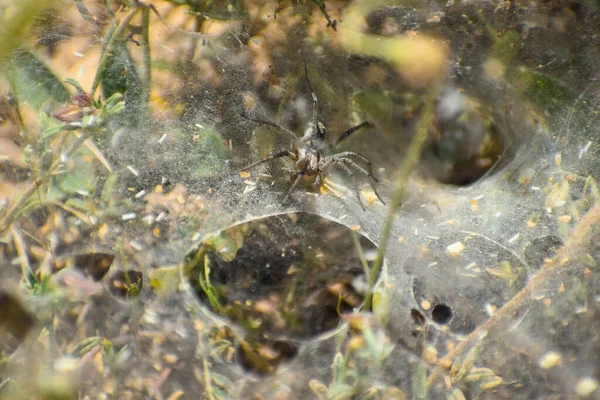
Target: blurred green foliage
<point>209,154</point>
<point>34,82</point>
<point>15,21</point>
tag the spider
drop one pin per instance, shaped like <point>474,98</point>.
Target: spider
<point>308,151</point>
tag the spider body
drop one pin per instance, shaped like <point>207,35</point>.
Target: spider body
<point>308,152</point>
<point>308,160</point>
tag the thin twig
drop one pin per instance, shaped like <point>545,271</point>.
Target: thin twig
<point>413,155</point>
<point>330,21</point>
<point>582,238</point>
<point>361,255</point>
<point>22,252</point>
<point>83,217</point>
<point>12,213</point>
<point>8,217</point>
<point>146,54</point>
<point>207,385</point>
<point>93,148</point>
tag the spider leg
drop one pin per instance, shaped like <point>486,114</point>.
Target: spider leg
<point>269,158</point>
<point>345,134</point>
<point>323,167</point>
<point>296,182</point>
<point>315,110</point>
<point>270,123</point>
<point>317,183</point>
<point>351,154</point>
<point>349,171</point>
<point>351,163</point>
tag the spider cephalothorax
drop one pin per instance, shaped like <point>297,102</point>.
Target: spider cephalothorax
<point>308,151</point>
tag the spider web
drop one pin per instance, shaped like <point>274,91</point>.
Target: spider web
<point>471,271</point>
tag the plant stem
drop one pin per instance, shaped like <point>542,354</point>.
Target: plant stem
<point>207,385</point>
<point>117,33</point>
<point>361,255</point>
<point>9,216</point>
<point>413,155</point>
<point>17,208</point>
<point>22,252</point>
<point>146,54</point>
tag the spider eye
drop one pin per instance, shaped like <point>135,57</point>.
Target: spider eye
<point>322,129</point>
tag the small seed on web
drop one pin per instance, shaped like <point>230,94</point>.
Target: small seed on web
<point>586,386</point>
<point>455,248</point>
<point>550,359</point>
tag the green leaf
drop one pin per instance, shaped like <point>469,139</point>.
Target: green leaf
<point>108,189</point>
<point>82,176</point>
<point>113,100</point>
<point>120,356</point>
<point>207,288</point>
<point>75,84</point>
<point>209,154</point>
<point>223,246</point>
<point>506,47</point>
<point>220,394</point>
<point>120,76</point>
<point>34,82</point>
<point>53,130</point>
<point>340,392</point>
<point>545,91</point>
<point>86,345</point>
<point>221,380</point>
<point>339,369</point>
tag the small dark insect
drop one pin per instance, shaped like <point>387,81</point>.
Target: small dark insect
<point>308,151</point>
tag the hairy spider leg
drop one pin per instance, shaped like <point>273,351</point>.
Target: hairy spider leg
<point>350,131</point>
<point>340,161</point>
<point>351,163</point>
<point>269,158</point>
<point>317,183</point>
<point>298,176</point>
<point>273,124</point>
<point>315,132</point>
<point>349,171</point>
<point>351,154</point>
<point>315,110</point>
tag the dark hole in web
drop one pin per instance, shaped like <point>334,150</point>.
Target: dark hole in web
<point>96,265</point>
<point>14,317</point>
<point>264,357</point>
<point>286,276</point>
<point>126,284</point>
<point>470,143</point>
<point>441,314</point>
<point>290,275</point>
